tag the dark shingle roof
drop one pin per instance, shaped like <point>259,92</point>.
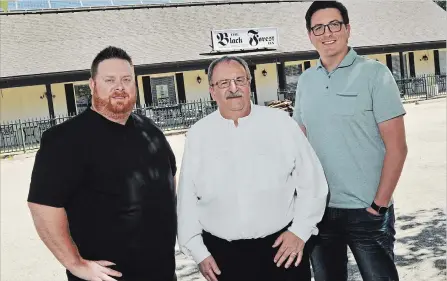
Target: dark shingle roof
<point>58,42</point>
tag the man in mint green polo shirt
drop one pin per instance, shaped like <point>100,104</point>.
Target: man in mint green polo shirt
<point>350,109</point>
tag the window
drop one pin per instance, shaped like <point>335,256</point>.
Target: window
<point>396,68</point>
<point>442,62</point>
<point>126,2</point>
<point>395,63</point>
<point>293,72</point>
<point>156,1</point>
<point>93,3</point>
<point>31,5</point>
<point>163,89</point>
<point>12,5</point>
<point>82,97</point>
<point>58,4</point>
<point>162,92</point>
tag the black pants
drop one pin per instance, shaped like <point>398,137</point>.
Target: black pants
<point>252,260</point>
<point>370,238</point>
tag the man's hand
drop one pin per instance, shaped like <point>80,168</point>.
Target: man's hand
<point>208,268</point>
<point>94,270</point>
<point>291,247</point>
<point>372,211</point>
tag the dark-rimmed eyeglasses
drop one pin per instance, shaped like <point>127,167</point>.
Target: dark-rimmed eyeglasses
<point>225,83</point>
<point>320,29</point>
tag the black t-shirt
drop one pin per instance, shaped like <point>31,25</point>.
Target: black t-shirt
<point>116,183</point>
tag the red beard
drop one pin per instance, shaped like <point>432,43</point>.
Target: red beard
<point>115,109</point>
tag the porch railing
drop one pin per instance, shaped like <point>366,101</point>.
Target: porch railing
<point>24,135</point>
<point>420,87</point>
<point>178,116</point>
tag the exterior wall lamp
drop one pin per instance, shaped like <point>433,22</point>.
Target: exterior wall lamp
<point>264,73</point>
<point>199,80</point>
<point>45,95</point>
<point>424,58</point>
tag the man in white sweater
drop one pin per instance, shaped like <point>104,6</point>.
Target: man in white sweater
<point>251,187</point>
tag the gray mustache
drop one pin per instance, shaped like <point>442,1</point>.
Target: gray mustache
<point>234,95</point>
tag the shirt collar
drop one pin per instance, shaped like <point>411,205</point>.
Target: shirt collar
<point>241,120</point>
<point>347,60</point>
<point>130,123</point>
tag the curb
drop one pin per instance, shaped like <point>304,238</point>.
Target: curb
<point>175,132</point>
<point>18,155</point>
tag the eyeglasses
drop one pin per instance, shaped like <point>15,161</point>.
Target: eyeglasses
<point>225,83</point>
<point>333,26</point>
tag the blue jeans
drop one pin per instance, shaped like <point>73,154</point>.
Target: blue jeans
<point>370,238</point>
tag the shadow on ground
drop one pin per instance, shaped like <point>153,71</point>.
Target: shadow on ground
<point>186,269</point>
<point>420,246</point>
<point>423,240</point>
<point>420,249</point>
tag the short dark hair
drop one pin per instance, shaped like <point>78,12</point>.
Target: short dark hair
<point>319,5</point>
<point>110,52</point>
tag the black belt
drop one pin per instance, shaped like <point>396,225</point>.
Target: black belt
<point>271,237</point>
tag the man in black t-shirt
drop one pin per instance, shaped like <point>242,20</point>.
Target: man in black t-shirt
<point>102,191</point>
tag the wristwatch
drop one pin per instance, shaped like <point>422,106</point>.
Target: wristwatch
<point>380,210</point>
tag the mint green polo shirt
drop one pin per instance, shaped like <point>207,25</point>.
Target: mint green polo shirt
<point>341,111</point>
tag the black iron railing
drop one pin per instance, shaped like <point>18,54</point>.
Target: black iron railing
<point>23,135</point>
<point>178,116</point>
<point>420,87</point>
